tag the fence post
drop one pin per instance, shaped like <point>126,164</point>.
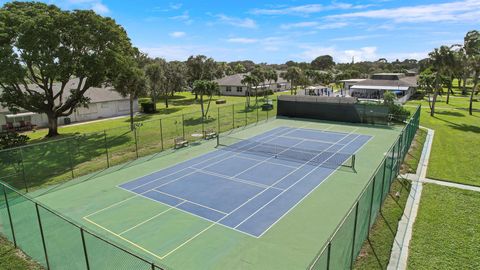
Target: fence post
<point>328,254</point>
<point>218,121</point>
<point>106,147</point>
<point>267,113</point>
<point>23,170</point>
<point>136,140</point>
<point>43,236</point>
<point>153,266</point>
<point>84,249</point>
<point>9,216</point>
<point>70,159</point>
<point>257,112</point>
<point>233,116</point>
<point>183,125</point>
<point>203,126</point>
<point>246,115</point>
<point>371,206</point>
<point>354,236</point>
<point>161,133</point>
<point>383,182</point>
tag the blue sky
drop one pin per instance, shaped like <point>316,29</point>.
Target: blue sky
<point>275,31</point>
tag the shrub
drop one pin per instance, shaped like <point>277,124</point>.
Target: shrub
<point>12,139</point>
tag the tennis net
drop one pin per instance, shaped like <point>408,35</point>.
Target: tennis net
<point>283,152</point>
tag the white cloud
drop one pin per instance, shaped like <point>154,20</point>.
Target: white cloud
<point>342,56</point>
<point>238,22</point>
<point>303,10</point>
<point>177,34</point>
<point>242,40</point>
<point>175,6</point>
<point>459,11</point>
<point>314,24</point>
<point>95,5</point>
<point>354,38</point>
<point>100,8</point>
<point>184,17</point>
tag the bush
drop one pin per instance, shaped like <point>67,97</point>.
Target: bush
<point>148,107</point>
<point>12,139</point>
<point>396,110</point>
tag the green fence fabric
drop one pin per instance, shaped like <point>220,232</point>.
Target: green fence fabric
<point>56,242</point>
<point>54,162</point>
<point>345,243</point>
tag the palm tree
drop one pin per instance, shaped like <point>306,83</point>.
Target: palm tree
<point>261,75</point>
<point>270,75</point>
<point>293,76</point>
<point>440,60</point>
<point>250,81</point>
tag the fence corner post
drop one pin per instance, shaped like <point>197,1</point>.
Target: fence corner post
<point>42,235</point>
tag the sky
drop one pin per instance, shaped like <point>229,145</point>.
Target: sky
<point>275,31</point>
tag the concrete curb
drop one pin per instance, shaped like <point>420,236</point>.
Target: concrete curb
<point>399,255</point>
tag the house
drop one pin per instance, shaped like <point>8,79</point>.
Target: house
<point>347,84</point>
<point>232,85</point>
<point>400,84</point>
<point>104,103</point>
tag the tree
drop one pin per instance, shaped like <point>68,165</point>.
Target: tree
<point>176,74</point>
<point>271,76</point>
<point>155,74</point>
<point>261,74</point>
<point>472,52</point>
<point>293,76</point>
<point>202,88</point>
<point>200,67</point>
<point>42,48</point>
<point>440,59</point>
<point>130,82</point>
<point>323,62</point>
<point>250,81</point>
<point>239,68</point>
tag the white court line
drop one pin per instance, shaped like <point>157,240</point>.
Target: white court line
<point>217,222</point>
<point>176,197</point>
<point>145,221</point>
<point>269,162</point>
<point>313,140</point>
<point>127,199</point>
<point>303,177</point>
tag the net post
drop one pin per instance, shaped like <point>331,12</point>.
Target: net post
<point>354,160</point>
<point>85,249</point>
<point>9,216</point>
<point>23,171</point>
<point>161,133</point>
<point>106,147</point>
<point>354,236</point>
<point>42,235</point>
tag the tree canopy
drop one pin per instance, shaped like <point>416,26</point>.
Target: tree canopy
<point>42,45</point>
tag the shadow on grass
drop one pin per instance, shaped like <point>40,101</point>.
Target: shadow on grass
<point>450,113</point>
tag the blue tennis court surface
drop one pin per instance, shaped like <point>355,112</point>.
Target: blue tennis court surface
<point>244,190</point>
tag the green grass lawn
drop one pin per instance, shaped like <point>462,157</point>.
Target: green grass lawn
<point>446,234</point>
<point>455,151</point>
<point>14,259</point>
<point>413,157</point>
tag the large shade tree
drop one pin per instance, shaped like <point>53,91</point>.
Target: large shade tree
<point>201,67</point>
<point>155,74</point>
<point>205,88</point>
<point>43,47</point>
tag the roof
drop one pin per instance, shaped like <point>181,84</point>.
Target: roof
<point>352,80</point>
<point>236,79</point>
<point>377,87</point>
<point>96,94</point>
<point>389,80</point>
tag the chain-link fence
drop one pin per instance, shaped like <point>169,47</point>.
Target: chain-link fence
<point>57,242</point>
<point>58,161</point>
<point>345,243</point>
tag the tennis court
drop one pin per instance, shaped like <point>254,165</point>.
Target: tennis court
<point>262,197</point>
<point>249,185</point>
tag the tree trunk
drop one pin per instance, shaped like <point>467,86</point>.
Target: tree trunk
<point>449,90</point>
<point>154,100</point>
<point>201,105</point>
<point>464,88</point>
<point>166,101</point>
<point>435,94</point>
<point>132,127</point>
<point>52,126</point>
<point>475,84</point>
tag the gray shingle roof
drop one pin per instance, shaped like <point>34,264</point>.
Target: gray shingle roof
<point>236,79</point>
<point>390,79</point>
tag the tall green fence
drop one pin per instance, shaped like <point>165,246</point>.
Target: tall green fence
<point>57,242</point>
<point>343,246</point>
<point>58,161</point>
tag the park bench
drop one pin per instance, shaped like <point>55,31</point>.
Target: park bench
<point>210,134</point>
<point>180,142</point>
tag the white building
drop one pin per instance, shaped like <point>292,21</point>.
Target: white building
<point>232,85</point>
<point>398,83</point>
<point>104,103</point>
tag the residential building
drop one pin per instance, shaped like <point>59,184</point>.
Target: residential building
<point>401,85</point>
<point>232,85</point>
<point>104,103</point>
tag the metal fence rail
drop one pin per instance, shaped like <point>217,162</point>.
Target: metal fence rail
<point>54,162</point>
<point>345,243</point>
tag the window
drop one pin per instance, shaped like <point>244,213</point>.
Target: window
<point>239,89</point>
<point>279,86</point>
<point>229,89</point>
